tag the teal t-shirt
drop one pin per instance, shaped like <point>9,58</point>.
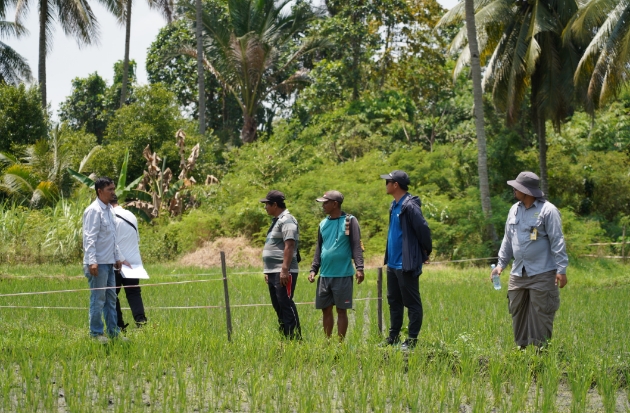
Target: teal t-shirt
<point>336,254</point>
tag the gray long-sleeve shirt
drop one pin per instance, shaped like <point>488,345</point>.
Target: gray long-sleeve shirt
<point>547,252</point>
<point>99,235</point>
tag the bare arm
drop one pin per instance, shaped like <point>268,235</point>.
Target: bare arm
<point>289,248</point>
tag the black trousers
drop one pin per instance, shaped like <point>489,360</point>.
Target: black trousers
<point>403,290</point>
<point>134,298</point>
<point>288,319</point>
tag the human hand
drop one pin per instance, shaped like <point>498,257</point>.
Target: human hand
<point>284,277</point>
<point>118,264</point>
<point>311,277</point>
<point>561,280</point>
<point>496,271</point>
<point>94,270</point>
<point>125,262</point>
<point>266,279</point>
<point>360,276</point>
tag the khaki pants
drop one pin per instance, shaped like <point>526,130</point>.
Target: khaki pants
<point>533,302</point>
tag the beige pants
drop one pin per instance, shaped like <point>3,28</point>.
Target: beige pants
<point>533,302</point>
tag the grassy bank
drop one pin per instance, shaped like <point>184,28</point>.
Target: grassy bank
<point>182,360</point>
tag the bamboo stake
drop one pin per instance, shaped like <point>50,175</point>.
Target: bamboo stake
<point>228,313</point>
<point>379,287</point>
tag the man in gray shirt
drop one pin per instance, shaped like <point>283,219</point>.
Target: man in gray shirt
<point>280,263</point>
<point>533,237</point>
<point>101,256</point>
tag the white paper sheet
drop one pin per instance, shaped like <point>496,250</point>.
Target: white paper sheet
<point>135,272</point>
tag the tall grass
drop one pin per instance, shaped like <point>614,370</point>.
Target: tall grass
<point>181,361</point>
<point>51,234</point>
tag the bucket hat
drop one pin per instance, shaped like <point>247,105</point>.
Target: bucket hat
<point>528,183</point>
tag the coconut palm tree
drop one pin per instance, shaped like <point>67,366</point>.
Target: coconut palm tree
<point>200,71</point>
<point>482,152</point>
<point>122,10</point>
<point>75,17</point>
<point>13,67</point>
<point>254,52</point>
<point>603,26</point>
<point>522,47</point>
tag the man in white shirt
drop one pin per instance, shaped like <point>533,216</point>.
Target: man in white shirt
<point>101,256</point>
<point>128,241</point>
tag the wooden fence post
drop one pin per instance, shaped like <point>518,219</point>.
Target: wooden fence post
<point>379,287</point>
<point>228,314</point>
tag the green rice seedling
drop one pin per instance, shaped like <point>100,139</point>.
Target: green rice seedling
<point>548,382</point>
<point>520,382</point>
<point>468,367</point>
<point>480,402</point>
<point>580,378</point>
<point>607,385</point>
<point>496,366</point>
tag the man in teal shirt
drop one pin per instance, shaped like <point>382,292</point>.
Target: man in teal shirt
<point>338,243</point>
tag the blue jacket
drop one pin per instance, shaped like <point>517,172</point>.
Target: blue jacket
<point>416,235</point>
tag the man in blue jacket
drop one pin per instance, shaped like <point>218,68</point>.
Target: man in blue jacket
<point>408,247</point>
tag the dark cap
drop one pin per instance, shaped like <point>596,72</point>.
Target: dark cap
<point>273,196</point>
<point>397,176</point>
<point>528,183</point>
<point>331,196</point>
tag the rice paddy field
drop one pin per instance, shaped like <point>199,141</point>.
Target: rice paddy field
<point>182,361</point>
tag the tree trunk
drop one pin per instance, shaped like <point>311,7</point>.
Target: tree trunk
<point>541,131</point>
<point>248,133</point>
<point>482,156</point>
<point>43,13</point>
<point>201,107</point>
<point>125,79</point>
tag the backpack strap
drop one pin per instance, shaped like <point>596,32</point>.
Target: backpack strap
<point>132,226</point>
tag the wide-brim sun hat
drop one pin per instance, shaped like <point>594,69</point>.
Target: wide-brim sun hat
<point>528,183</point>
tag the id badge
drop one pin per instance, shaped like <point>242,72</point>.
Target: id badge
<point>533,235</point>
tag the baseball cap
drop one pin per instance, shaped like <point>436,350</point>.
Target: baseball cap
<point>273,196</point>
<point>331,196</point>
<point>397,176</point>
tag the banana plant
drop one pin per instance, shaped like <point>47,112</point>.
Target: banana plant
<point>123,191</point>
<point>159,190</point>
<point>155,190</point>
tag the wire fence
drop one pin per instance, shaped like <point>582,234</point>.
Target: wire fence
<point>222,276</point>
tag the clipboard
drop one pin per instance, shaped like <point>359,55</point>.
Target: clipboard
<point>137,272</point>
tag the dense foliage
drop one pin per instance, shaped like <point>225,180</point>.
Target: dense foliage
<point>379,96</point>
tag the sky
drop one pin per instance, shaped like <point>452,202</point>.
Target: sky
<point>67,61</point>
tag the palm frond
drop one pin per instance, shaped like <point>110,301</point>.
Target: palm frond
<point>45,193</point>
<point>13,67</point>
<point>18,179</point>
<point>77,19</point>
<point>165,7</point>
<point>12,29</point>
<point>8,159</point>
<point>592,16</point>
<point>87,157</point>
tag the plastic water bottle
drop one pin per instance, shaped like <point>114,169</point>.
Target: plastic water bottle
<point>496,280</point>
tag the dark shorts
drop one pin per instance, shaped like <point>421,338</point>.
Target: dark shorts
<point>334,291</point>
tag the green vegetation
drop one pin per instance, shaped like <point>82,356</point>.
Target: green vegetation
<point>322,101</point>
<point>182,360</point>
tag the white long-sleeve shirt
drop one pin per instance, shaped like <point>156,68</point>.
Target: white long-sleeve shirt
<point>127,236</point>
<point>99,235</point>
